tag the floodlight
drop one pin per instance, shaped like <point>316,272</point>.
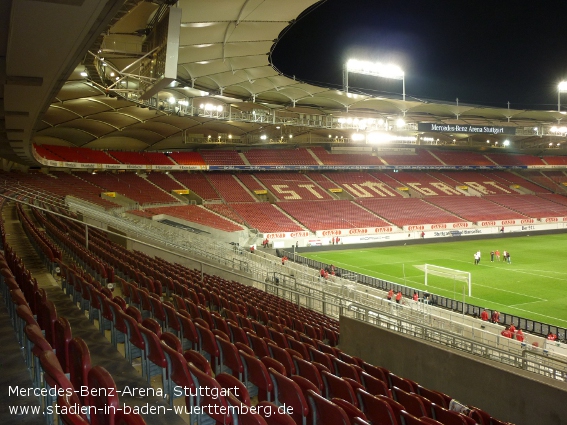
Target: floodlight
<point>561,88</point>
<point>400,123</point>
<point>357,137</point>
<point>506,142</point>
<point>375,69</point>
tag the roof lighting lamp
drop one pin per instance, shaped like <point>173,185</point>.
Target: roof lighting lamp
<point>357,137</point>
<point>375,69</point>
<point>561,88</point>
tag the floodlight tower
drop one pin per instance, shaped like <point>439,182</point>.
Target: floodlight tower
<point>374,69</point>
<point>561,88</point>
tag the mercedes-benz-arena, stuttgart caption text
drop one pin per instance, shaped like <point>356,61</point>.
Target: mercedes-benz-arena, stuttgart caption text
<point>201,397</point>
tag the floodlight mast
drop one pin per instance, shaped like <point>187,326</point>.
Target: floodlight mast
<point>561,88</point>
<point>374,69</point>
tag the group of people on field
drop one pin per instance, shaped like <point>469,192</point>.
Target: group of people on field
<point>494,256</point>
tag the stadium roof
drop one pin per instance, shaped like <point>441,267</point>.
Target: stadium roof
<point>224,58</point>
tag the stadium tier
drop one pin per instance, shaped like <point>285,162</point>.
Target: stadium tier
<point>213,157</point>
<point>251,183</point>
<point>479,182</point>
<point>423,184</point>
<point>408,211</point>
<point>295,157</point>
<point>480,197</point>
<point>226,211</point>
<point>44,152</point>
<point>292,186</point>
<point>131,186</point>
<point>475,209</point>
<point>187,158</point>
<point>58,184</point>
<point>195,214</point>
<point>555,197</point>
<point>338,214</point>
<point>229,188</point>
<point>530,205</point>
<point>165,182</point>
<point>265,217</point>
<point>74,154</point>
<point>462,158</point>
<point>514,159</point>
<point>555,160</point>
<point>141,158</point>
<point>299,156</point>
<point>419,157</point>
<point>364,185</point>
<point>197,183</point>
<point>512,180</point>
<point>327,158</point>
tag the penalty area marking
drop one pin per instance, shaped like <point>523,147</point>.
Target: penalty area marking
<point>517,271</point>
<point>422,268</point>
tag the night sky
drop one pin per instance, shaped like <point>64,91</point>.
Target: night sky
<point>482,52</point>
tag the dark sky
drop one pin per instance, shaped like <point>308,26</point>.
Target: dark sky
<point>483,52</point>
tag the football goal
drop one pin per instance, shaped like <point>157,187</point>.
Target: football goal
<point>455,275</point>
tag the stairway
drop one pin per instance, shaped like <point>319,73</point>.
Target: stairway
<point>101,350</point>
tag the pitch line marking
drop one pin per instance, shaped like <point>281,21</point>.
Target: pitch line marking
<point>531,302</point>
<point>519,271</point>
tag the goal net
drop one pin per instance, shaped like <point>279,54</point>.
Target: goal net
<point>453,274</point>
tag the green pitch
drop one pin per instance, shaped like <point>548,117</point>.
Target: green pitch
<point>533,286</point>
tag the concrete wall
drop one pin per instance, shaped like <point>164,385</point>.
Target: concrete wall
<point>505,392</point>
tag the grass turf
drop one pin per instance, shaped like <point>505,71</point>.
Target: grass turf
<point>533,286</point>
